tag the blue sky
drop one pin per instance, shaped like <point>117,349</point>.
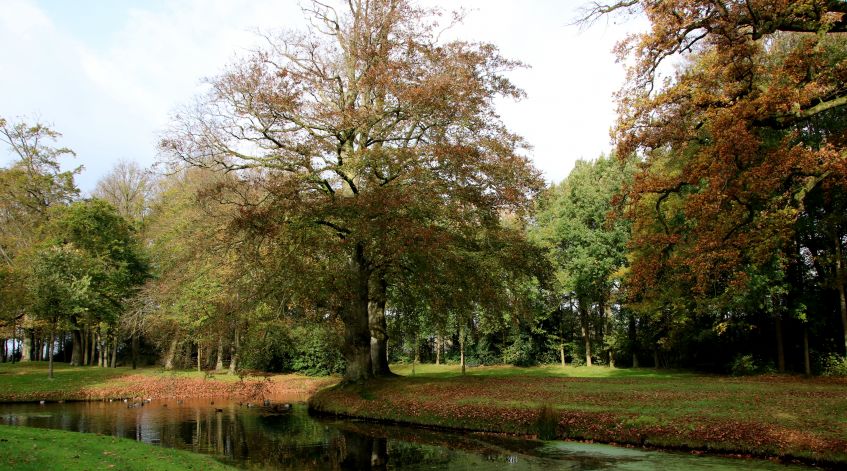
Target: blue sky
<point>108,73</point>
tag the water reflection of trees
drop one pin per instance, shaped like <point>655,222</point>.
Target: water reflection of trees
<point>254,438</point>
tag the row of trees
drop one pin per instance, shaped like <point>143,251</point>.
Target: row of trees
<point>348,196</point>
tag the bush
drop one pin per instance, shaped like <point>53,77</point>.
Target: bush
<point>267,348</point>
<point>316,351</point>
<point>520,352</point>
<point>744,365</point>
<point>834,365</point>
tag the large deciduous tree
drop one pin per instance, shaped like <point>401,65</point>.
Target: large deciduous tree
<point>367,137</point>
<point>733,142</point>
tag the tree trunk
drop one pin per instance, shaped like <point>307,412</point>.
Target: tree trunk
<point>807,364</point>
<point>85,344</point>
<point>101,354</point>
<point>562,353</point>
<point>199,356</point>
<point>169,357</point>
<point>219,364</point>
<point>134,347</point>
<point>378,327</point>
<point>50,351</point>
<point>415,357</point>
<point>26,346</point>
<point>839,281</point>
<point>76,347</point>
<point>656,358</point>
<point>233,355</point>
<point>438,343</point>
<point>114,351</point>
<point>780,347</point>
<point>462,348</point>
<point>586,333</point>
<point>357,334</point>
<point>632,340</point>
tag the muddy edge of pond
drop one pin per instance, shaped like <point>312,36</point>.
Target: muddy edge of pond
<point>353,403</point>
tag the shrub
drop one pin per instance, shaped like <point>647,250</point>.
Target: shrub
<point>744,365</point>
<point>267,348</point>
<point>316,351</point>
<point>519,353</point>
<point>834,365</point>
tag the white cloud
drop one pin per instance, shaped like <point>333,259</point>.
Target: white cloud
<point>110,100</point>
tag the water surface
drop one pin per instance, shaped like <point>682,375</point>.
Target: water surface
<point>264,438</point>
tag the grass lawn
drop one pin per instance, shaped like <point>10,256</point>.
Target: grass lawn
<point>784,416</point>
<point>29,382</point>
<point>27,448</point>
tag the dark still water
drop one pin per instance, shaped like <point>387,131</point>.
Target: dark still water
<point>261,438</point>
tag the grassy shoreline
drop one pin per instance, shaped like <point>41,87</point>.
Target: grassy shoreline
<point>785,417</point>
<point>28,382</point>
<point>26,448</point>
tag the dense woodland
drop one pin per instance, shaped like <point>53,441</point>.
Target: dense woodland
<point>348,197</point>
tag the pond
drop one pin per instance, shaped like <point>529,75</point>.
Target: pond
<point>276,438</point>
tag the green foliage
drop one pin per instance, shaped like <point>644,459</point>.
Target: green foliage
<point>520,352</point>
<point>834,365</point>
<point>317,351</point>
<point>268,347</point>
<point>744,365</point>
<point>277,347</point>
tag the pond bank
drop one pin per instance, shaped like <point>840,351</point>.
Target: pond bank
<point>783,417</point>
<point>28,382</point>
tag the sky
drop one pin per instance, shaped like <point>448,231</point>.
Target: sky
<point>108,74</point>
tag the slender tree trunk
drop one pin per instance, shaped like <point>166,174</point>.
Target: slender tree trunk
<point>101,354</point>
<point>632,340</point>
<point>169,357</point>
<point>115,351</point>
<point>839,281</point>
<point>233,356</point>
<point>50,350</point>
<point>219,364</point>
<point>562,353</point>
<point>357,334</point>
<point>462,348</point>
<point>85,346</point>
<point>780,347</point>
<point>586,333</point>
<point>416,358</point>
<point>438,343</point>
<point>656,358</point>
<point>807,364</point>
<point>378,326</point>
<point>199,356</point>
<point>134,348</point>
<point>5,349</point>
<point>14,337</point>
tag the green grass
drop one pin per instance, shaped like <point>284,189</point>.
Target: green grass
<point>24,448</point>
<point>777,415</point>
<point>428,370</point>
<point>29,381</point>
